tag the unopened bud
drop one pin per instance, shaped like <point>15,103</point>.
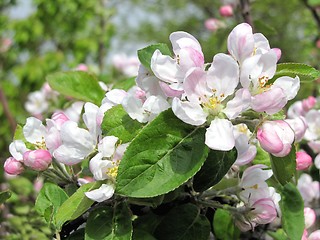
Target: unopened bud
<point>309,103</point>
<point>13,166</point>
<point>38,160</point>
<point>309,217</point>
<point>226,11</point>
<point>303,160</point>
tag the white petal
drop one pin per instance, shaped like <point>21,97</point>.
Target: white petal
<point>155,105</point>
<point>317,161</point>
<point>115,96</point>
<point>261,43</point>
<point>77,143</point>
<point>223,75</point>
<point>246,152</point>
<point>166,68</point>
<point>240,103</point>
<point>101,194</point>
<point>34,131</point>
<point>17,148</point>
<point>189,112</point>
<point>99,167</point>
<point>107,146</point>
<point>133,107</point>
<point>90,119</point>
<point>219,135</point>
<point>73,112</point>
<point>290,86</point>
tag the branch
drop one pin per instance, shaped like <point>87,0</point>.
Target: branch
<point>7,112</point>
<point>313,11</point>
<point>245,11</point>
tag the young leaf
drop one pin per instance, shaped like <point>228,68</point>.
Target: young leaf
<point>5,195</point>
<point>77,84</point>
<point>278,235</point>
<point>164,155</point>
<point>284,168</point>
<point>183,223</point>
<point>76,205</point>
<point>109,223</point>
<point>223,226</point>
<point>292,207</point>
<point>50,198</point>
<point>118,123</point>
<point>214,169</point>
<point>306,73</point>
<point>145,54</point>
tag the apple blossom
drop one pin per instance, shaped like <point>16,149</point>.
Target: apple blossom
<point>276,137</point>
<point>303,160</point>
<point>213,24</point>
<point>101,194</point>
<point>308,188</point>
<point>316,234</point>
<point>172,71</point>
<point>125,64</point>
<point>13,166</point>
<point>299,126</point>
<point>309,103</point>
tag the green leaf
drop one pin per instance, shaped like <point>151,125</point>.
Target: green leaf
<point>77,84</point>
<point>109,223</point>
<point>124,84</point>
<point>147,223</point>
<point>76,205</point>
<point>5,195</point>
<point>183,223</point>
<point>262,157</point>
<point>278,235</point>
<point>214,169</point>
<point>118,123</point>
<point>306,73</point>
<point>145,54</point>
<point>150,202</point>
<point>164,155</point>
<point>223,225</point>
<point>292,207</point>
<point>314,3</point>
<point>50,198</point>
<point>284,168</point>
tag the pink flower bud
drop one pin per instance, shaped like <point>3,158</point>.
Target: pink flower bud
<point>303,160</point>
<point>309,103</point>
<point>13,166</point>
<point>82,67</point>
<point>276,137</point>
<point>38,160</point>
<point>309,217</point>
<point>315,235</point>
<point>226,10</point>
<point>278,52</point>
<point>304,235</point>
<point>318,43</point>
<point>212,24</point>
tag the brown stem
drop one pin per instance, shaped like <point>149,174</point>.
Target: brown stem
<point>7,112</point>
<point>313,11</point>
<point>101,44</point>
<point>245,11</point>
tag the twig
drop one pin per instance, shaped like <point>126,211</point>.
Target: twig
<point>245,11</point>
<point>313,11</point>
<point>7,112</point>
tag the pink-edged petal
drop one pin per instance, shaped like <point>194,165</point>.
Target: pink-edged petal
<point>195,85</point>
<point>168,91</point>
<point>189,57</point>
<point>180,40</point>
<point>223,75</point>
<point>241,42</point>
<point>101,194</point>
<point>166,68</point>
<point>290,86</point>
<point>245,151</point>
<point>240,103</point>
<point>189,112</point>
<point>115,96</point>
<point>271,101</point>
<point>219,136</point>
